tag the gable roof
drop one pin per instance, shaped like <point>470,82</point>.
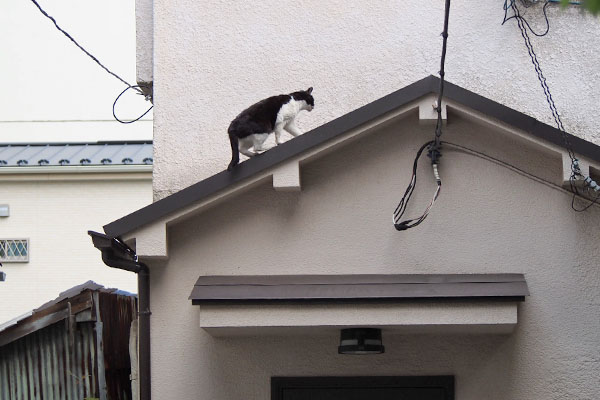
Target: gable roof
<point>27,155</point>
<point>338,127</point>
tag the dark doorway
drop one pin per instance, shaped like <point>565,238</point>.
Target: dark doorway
<point>363,388</point>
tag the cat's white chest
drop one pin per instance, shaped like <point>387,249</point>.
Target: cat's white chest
<point>287,112</point>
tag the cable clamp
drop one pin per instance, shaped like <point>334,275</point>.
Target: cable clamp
<point>436,174</point>
<point>434,152</point>
<point>402,226</point>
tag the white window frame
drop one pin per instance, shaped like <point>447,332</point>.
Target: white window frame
<point>13,259</point>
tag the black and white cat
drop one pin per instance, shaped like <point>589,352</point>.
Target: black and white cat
<point>274,114</point>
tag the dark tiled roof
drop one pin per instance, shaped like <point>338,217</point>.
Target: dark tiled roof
<point>336,128</point>
<point>75,154</point>
<point>303,288</point>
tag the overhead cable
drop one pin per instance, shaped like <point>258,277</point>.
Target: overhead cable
<point>137,88</point>
<point>434,149</point>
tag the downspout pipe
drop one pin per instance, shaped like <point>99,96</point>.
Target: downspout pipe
<point>117,254</point>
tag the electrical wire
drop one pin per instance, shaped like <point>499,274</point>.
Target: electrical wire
<point>432,146</point>
<point>517,15</point>
<point>119,96</point>
<point>515,169</point>
<point>434,149</point>
<point>576,173</point>
<point>137,88</point>
<point>401,207</point>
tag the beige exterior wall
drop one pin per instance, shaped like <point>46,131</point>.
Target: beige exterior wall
<point>55,211</point>
<point>214,58</point>
<point>488,219</point>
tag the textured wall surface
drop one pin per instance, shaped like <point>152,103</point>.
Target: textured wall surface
<point>214,58</point>
<point>488,219</point>
<point>55,216</point>
<point>143,44</point>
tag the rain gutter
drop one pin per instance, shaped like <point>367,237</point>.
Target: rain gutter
<point>117,254</point>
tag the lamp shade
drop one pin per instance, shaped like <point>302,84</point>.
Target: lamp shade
<point>361,341</point>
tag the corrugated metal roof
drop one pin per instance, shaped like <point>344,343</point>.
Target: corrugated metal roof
<point>67,294</point>
<point>56,154</point>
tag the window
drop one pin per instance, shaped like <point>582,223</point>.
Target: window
<point>14,250</point>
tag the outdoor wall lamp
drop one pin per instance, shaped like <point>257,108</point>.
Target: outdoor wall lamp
<point>361,341</point>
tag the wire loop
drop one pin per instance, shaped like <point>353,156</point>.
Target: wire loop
<point>138,89</point>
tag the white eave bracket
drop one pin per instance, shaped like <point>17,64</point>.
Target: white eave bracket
<point>584,166</point>
<point>427,110</point>
<point>151,242</point>
<point>286,177</point>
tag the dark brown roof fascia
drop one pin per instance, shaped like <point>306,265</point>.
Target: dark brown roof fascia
<point>519,120</point>
<point>270,158</point>
<point>333,129</point>
<point>308,288</point>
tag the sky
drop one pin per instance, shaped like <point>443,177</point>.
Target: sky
<point>54,92</point>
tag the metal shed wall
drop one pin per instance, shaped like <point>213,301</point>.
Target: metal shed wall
<point>43,365</point>
<point>75,347</point>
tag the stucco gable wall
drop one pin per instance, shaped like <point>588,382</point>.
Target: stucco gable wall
<point>213,59</point>
<point>488,219</point>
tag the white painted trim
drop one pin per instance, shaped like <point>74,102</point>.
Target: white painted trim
<point>75,173</point>
<point>75,169</point>
<point>584,163</point>
<point>406,318</point>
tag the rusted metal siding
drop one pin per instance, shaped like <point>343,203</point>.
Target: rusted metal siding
<point>116,314</point>
<point>74,347</point>
<point>45,366</point>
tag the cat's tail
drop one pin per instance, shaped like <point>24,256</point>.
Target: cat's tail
<point>235,154</point>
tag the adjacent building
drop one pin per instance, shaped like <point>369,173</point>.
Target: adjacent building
<point>50,195</point>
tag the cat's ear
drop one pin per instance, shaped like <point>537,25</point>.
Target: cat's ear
<point>309,91</point>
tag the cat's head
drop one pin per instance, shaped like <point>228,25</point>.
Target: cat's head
<point>306,97</point>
